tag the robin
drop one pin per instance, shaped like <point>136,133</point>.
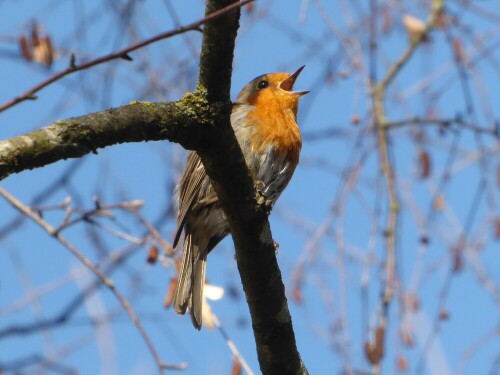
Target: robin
<point>264,119</point>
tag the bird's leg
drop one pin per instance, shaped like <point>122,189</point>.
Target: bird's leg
<point>263,199</point>
<point>208,201</point>
<point>276,246</point>
<point>260,186</point>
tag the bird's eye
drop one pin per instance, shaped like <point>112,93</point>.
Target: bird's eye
<point>262,85</point>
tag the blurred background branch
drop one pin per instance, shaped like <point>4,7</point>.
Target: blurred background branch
<point>440,122</point>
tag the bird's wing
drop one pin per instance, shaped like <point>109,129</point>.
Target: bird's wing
<point>190,186</point>
<point>194,175</point>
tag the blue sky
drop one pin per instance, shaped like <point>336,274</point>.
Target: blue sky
<point>344,269</point>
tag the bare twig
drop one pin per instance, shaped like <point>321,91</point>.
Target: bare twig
<point>231,345</point>
<point>375,348</point>
<point>121,54</point>
<point>444,123</point>
<point>415,42</point>
<point>87,263</point>
<point>154,233</point>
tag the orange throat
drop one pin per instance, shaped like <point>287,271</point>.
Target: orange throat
<point>275,122</point>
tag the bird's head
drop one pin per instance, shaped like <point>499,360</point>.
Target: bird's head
<point>272,89</point>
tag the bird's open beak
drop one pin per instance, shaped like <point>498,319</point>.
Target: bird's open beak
<point>288,83</point>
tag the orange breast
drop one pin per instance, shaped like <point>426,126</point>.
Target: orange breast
<point>276,124</point>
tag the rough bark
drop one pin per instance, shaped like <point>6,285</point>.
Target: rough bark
<point>199,121</point>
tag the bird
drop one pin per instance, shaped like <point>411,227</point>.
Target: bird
<point>264,120</point>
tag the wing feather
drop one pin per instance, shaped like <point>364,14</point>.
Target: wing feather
<point>192,182</point>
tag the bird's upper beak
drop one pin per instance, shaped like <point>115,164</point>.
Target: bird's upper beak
<point>287,84</point>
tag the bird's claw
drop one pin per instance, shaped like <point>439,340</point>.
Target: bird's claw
<point>263,201</point>
<point>259,186</point>
<point>262,197</point>
<point>276,246</point>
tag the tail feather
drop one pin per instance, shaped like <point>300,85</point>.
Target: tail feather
<point>189,290</point>
<point>184,282</point>
<point>197,292</point>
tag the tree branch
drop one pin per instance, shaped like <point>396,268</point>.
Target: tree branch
<point>121,54</point>
<point>246,215</point>
<point>51,231</point>
<point>374,350</point>
<point>180,122</point>
<point>200,121</point>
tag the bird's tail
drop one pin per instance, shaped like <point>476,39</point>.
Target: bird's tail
<point>189,290</point>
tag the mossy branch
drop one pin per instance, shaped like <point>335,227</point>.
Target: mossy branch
<point>255,252</point>
<point>187,122</point>
<point>200,121</point>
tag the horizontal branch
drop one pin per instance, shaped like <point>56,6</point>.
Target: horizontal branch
<point>182,122</point>
<point>445,123</point>
<point>91,266</point>
<point>199,121</point>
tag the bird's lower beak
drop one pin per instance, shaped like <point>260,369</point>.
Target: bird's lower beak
<point>288,83</point>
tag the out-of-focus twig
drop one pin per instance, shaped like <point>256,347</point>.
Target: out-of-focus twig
<point>231,345</point>
<point>121,54</point>
<point>87,263</point>
<point>444,123</point>
<point>154,233</point>
<point>374,349</point>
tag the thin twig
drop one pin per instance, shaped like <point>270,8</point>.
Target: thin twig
<point>121,54</point>
<point>231,345</point>
<point>87,263</point>
<point>375,348</point>
<point>443,123</point>
<point>155,234</point>
<point>384,152</point>
<point>416,41</point>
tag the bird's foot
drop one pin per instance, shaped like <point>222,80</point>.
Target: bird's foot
<point>262,198</point>
<point>276,246</point>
